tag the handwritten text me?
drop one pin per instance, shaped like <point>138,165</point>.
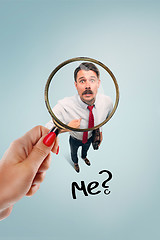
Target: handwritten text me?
<point>92,186</point>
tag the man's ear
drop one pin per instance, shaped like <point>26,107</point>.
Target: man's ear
<point>75,83</point>
<point>99,82</point>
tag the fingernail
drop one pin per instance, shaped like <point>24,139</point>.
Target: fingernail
<point>57,150</point>
<point>49,139</point>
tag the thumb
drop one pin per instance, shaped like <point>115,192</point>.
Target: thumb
<point>40,151</point>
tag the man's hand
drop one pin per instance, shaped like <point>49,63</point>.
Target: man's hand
<point>75,123</point>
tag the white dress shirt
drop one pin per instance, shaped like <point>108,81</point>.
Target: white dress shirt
<point>73,107</point>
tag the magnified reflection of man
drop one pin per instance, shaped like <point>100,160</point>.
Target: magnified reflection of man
<point>86,109</point>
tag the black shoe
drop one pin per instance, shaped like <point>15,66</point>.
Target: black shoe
<point>87,161</point>
<point>76,167</point>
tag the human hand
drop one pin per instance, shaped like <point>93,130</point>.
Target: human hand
<point>23,166</point>
<point>75,123</point>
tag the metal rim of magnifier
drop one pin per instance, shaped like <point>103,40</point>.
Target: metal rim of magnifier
<point>60,124</point>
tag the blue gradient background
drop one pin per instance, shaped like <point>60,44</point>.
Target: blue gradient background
<point>35,37</point>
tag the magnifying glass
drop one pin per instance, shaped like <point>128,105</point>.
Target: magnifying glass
<point>61,125</point>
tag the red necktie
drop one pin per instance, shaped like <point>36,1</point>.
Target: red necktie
<point>90,124</point>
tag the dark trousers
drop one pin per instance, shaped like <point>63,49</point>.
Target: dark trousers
<point>75,144</point>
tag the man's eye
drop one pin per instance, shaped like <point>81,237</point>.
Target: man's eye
<point>82,81</point>
<point>92,80</point>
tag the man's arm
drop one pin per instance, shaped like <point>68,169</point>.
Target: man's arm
<point>60,113</point>
<point>75,123</point>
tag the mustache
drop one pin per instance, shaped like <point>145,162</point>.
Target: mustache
<point>87,91</point>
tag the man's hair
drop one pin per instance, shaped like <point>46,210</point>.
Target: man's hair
<point>86,66</point>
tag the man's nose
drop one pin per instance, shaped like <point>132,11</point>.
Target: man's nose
<point>87,84</point>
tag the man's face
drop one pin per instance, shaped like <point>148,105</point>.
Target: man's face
<point>87,85</point>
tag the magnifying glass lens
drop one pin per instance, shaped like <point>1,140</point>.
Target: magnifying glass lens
<point>81,95</point>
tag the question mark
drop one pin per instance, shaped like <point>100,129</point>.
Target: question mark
<point>106,191</point>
